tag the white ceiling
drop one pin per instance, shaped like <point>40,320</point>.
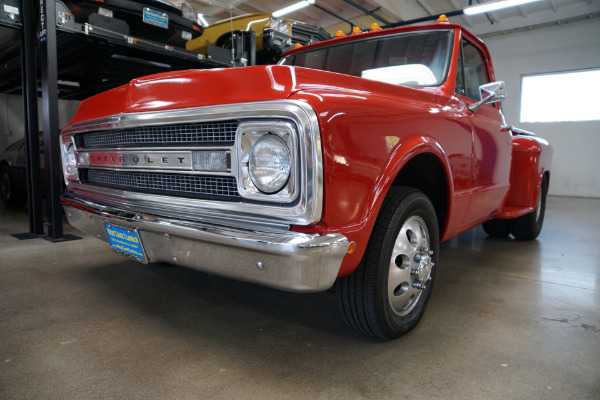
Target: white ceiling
<point>530,15</point>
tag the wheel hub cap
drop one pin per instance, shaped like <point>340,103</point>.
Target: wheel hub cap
<point>410,266</point>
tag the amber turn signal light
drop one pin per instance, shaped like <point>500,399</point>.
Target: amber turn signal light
<point>351,247</point>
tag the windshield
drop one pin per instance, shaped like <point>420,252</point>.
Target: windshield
<point>409,59</point>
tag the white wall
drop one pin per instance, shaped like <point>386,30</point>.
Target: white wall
<point>575,168</point>
<point>12,127</point>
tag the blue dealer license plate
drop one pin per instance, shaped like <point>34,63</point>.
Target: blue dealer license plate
<point>155,18</point>
<point>125,241</point>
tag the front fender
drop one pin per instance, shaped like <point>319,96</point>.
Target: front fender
<point>365,144</point>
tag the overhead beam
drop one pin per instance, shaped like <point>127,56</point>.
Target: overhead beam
<point>458,7</point>
<point>426,7</point>
<point>402,10</point>
<point>488,15</point>
<point>334,14</point>
<point>367,11</point>
<point>425,19</point>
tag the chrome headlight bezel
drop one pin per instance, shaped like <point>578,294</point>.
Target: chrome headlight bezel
<point>69,160</point>
<point>247,136</point>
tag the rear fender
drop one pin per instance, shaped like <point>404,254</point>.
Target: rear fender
<point>531,159</point>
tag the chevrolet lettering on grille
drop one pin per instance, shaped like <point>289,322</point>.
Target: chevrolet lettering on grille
<point>180,160</point>
<point>213,161</point>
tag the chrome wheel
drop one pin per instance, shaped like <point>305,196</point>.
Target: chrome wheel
<point>410,266</point>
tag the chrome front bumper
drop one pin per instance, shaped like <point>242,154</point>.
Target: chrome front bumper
<point>287,260</point>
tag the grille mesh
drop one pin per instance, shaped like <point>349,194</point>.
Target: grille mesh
<point>184,134</point>
<point>169,184</point>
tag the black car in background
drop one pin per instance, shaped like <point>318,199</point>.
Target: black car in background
<point>13,177</point>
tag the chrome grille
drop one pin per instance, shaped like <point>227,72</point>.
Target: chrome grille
<point>195,186</point>
<point>168,135</point>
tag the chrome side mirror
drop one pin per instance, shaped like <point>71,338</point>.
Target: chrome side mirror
<point>489,93</point>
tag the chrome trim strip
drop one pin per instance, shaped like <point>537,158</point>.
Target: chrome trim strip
<point>305,210</point>
<point>172,170</point>
<point>117,159</point>
<point>284,260</point>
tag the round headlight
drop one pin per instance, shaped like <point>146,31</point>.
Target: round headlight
<point>270,164</point>
<point>274,23</point>
<point>188,11</point>
<point>69,160</point>
<point>283,26</point>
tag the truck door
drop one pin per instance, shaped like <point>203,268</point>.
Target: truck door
<point>491,152</point>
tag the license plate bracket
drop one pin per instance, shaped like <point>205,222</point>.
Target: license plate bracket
<point>155,18</point>
<point>125,241</point>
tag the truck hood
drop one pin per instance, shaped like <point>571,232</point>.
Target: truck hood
<point>198,88</point>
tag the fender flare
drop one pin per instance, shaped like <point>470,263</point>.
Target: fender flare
<point>411,147</point>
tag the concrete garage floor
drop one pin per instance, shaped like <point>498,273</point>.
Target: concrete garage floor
<point>507,320</point>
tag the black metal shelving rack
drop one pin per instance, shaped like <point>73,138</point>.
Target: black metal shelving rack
<point>76,61</point>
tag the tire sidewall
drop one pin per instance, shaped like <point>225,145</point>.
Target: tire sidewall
<point>529,226</point>
<point>539,221</point>
<point>6,183</point>
<point>416,204</point>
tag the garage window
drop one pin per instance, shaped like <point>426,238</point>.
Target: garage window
<point>561,97</point>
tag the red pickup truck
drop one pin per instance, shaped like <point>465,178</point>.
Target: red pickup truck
<point>343,166</point>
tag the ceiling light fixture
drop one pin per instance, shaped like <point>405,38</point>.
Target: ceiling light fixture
<point>498,5</point>
<point>202,20</point>
<point>294,7</point>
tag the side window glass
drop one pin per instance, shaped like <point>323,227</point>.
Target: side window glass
<point>475,70</point>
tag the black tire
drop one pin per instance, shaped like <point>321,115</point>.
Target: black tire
<point>226,40</point>
<point>529,226</point>
<point>498,228</point>
<point>404,241</point>
<point>11,195</point>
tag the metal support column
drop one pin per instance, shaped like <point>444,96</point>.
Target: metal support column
<point>50,117</point>
<point>50,122</point>
<point>30,115</point>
